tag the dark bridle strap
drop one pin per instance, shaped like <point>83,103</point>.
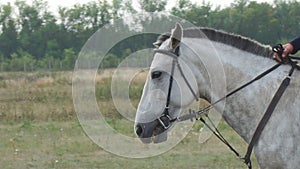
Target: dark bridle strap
<point>187,82</point>
<point>262,124</point>
<point>165,119</point>
<point>276,98</point>
<point>170,86</point>
<point>175,56</point>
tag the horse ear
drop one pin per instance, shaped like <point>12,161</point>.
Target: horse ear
<point>157,44</point>
<point>176,36</point>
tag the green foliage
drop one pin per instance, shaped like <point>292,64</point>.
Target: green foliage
<point>135,90</point>
<point>33,38</point>
<point>103,89</point>
<point>26,125</point>
<point>110,61</point>
<point>264,22</point>
<point>69,58</point>
<point>153,5</point>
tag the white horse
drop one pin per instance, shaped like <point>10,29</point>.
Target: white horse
<point>242,59</point>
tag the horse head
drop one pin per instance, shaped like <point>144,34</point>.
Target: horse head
<point>166,91</point>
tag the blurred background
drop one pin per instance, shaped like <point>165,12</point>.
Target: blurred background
<point>39,43</point>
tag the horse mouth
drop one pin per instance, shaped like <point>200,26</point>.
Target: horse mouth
<point>148,133</point>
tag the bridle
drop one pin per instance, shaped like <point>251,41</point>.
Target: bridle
<point>166,121</point>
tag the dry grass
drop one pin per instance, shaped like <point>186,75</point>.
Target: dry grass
<point>39,129</point>
<point>64,145</point>
<point>36,96</point>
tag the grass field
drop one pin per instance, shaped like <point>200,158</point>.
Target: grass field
<point>39,129</point>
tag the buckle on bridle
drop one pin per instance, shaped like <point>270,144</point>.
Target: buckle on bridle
<point>165,121</point>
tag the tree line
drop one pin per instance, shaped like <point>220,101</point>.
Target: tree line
<point>33,38</point>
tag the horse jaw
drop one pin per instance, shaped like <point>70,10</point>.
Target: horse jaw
<point>160,138</point>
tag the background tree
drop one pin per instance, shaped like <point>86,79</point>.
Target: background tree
<point>32,36</point>
<point>153,5</point>
<point>9,35</point>
<point>287,16</point>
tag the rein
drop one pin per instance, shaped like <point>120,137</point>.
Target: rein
<point>166,121</point>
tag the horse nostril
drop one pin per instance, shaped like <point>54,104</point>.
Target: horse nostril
<point>139,130</point>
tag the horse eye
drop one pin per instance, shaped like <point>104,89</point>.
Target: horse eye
<point>156,74</point>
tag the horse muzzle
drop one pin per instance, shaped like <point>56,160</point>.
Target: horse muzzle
<point>155,131</point>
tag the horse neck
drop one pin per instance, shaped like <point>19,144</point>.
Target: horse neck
<point>243,110</point>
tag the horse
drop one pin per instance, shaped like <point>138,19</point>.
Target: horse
<point>170,88</point>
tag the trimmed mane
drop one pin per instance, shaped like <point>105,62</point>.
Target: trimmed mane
<point>237,41</point>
